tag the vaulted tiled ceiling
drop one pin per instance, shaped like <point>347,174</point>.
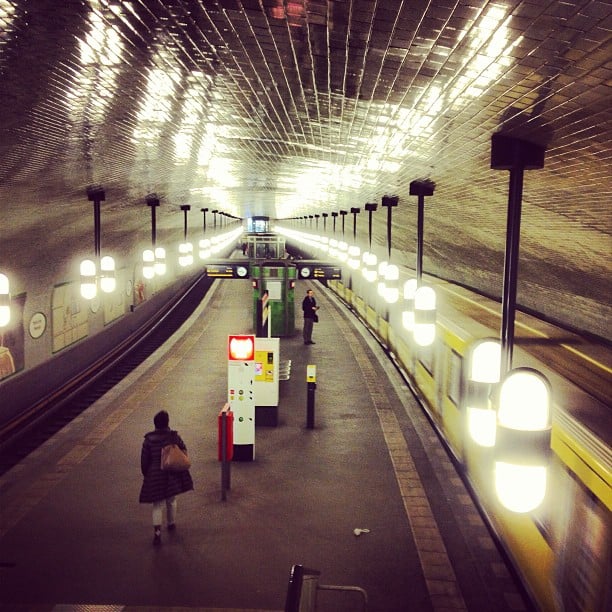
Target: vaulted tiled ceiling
<point>289,108</point>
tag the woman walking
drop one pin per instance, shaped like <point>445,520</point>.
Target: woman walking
<point>160,487</point>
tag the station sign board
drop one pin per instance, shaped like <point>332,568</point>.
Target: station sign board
<point>227,269</point>
<point>318,270</point>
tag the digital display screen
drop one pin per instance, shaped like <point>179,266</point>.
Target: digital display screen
<point>326,272</point>
<point>220,271</point>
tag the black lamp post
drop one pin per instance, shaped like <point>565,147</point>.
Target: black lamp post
<point>355,212</point>
<point>324,215</point>
<point>89,269</point>
<point>95,194</point>
<point>343,213</point>
<point>214,212</point>
<point>421,189</point>
<point>185,208</point>
<point>204,211</point>
<point>509,153</point>
<point>153,201</point>
<point>390,202</point>
<point>371,208</point>
<point>334,216</point>
<point>317,222</point>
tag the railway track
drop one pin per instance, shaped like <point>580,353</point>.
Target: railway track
<point>56,411</point>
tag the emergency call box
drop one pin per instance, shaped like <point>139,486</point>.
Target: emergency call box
<point>241,393</point>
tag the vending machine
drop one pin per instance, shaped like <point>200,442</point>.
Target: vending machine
<point>267,377</point>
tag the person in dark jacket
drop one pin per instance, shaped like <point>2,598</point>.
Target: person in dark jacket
<point>160,487</point>
<point>309,307</point>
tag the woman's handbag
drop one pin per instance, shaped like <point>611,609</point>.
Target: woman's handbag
<point>315,318</point>
<point>174,459</point>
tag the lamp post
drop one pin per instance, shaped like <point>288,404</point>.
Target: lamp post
<point>371,208</point>
<point>185,248</point>
<point>423,298</point>
<point>391,272</point>
<point>368,258</point>
<point>355,212</point>
<point>317,223</point>
<point>153,202</point>
<point>214,212</point>
<point>524,404</point>
<point>88,267</point>
<point>421,189</point>
<point>389,202</point>
<point>343,214</point>
<point>204,211</point>
<point>334,216</point>
<point>154,259</point>
<point>324,215</point>
<point>508,153</point>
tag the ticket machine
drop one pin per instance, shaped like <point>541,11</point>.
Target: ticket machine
<point>267,377</point>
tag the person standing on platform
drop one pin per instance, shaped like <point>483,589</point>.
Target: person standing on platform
<point>309,306</point>
<point>160,487</point>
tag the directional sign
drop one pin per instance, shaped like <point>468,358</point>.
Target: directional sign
<point>227,269</point>
<point>318,269</point>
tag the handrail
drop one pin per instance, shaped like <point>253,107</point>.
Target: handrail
<point>304,585</point>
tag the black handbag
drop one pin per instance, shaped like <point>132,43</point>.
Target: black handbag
<point>315,319</point>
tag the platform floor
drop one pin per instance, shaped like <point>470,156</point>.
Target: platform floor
<point>74,537</point>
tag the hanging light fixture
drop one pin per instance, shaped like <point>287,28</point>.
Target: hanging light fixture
<point>523,440</point>
<point>185,248</point>
<point>391,293</point>
<point>160,261</point>
<point>88,267</point>
<point>424,316</point>
<point>153,259</point>
<point>410,287</point>
<point>89,281</point>
<point>483,370</point>
<point>148,264</point>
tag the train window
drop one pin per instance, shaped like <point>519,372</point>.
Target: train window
<point>453,385</point>
<point>583,562</point>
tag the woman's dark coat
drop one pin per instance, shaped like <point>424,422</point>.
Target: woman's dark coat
<point>159,484</point>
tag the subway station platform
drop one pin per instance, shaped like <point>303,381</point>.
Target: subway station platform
<point>74,537</point>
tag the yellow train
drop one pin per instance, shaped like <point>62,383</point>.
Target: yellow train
<point>561,550</point>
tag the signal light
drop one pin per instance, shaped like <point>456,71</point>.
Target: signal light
<point>241,348</point>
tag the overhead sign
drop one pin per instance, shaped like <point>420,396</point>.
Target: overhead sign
<point>227,270</point>
<point>318,270</point>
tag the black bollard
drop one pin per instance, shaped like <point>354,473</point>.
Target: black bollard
<point>311,385</point>
<point>310,405</point>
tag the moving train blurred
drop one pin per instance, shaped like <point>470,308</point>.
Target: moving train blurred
<point>547,494</point>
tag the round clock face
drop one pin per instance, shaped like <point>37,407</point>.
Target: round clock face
<point>38,325</point>
<point>304,272</point>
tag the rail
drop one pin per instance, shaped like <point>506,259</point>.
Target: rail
<point>70,399</point>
